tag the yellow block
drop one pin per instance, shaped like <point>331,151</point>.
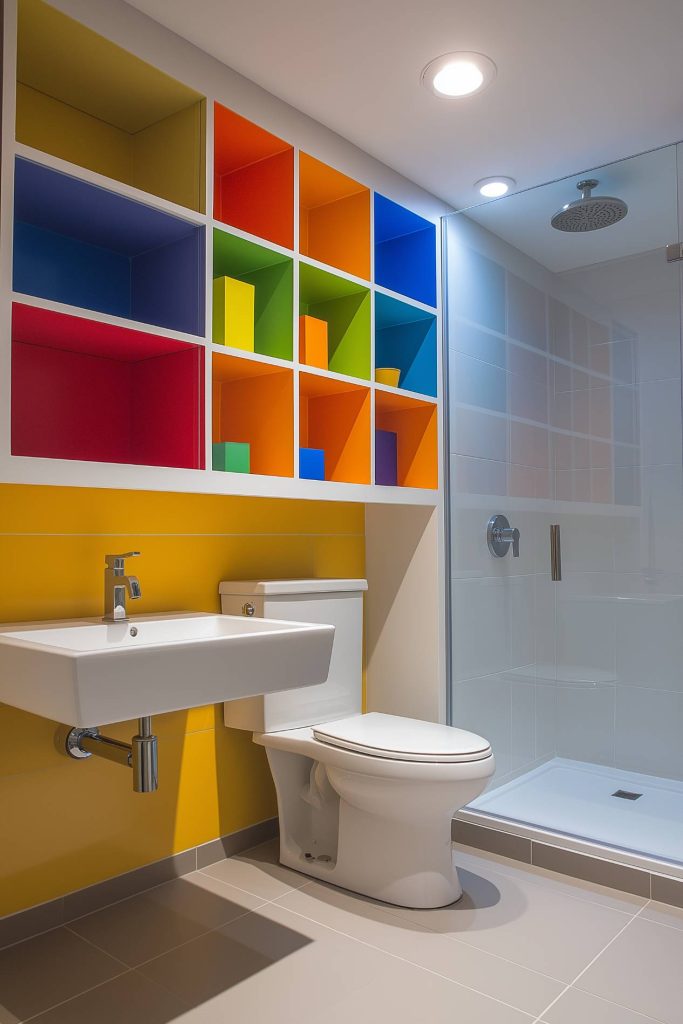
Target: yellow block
<point>233,313</point>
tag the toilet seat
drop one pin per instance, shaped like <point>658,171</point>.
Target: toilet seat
<point>302,741</point>
<point>403,739</point>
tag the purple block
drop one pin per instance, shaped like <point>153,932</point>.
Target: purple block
<point>386,459</point>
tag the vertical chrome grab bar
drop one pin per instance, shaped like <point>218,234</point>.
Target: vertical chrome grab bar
<point>555,554</point>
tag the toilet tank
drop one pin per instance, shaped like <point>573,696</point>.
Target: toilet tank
<point>336,602</point>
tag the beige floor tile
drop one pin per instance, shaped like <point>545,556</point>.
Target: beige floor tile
<point>40,972</point>
<point>275,965</point>
<point>258,871</point>
<point>269,947</point>
<point>457,961</point>
<point>576,887</point>
<point>147,925</point>
<point>130,998</point>
<point>415,999</point>
<point>576,1007</point>
<point>641,970</point>
<point>662,913</point>
<point>531,925</point>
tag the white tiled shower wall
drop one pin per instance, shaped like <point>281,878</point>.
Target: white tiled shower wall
<point>565,407</point>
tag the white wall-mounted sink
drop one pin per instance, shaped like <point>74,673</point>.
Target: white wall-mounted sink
<point>86,672</point>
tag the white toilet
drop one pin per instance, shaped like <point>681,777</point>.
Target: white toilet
<point>364,801</point>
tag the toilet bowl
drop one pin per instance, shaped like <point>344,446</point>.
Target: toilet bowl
<point>364,801</point>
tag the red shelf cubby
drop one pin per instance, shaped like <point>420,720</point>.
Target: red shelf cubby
<point>96,392</point>
<point>253,178</point>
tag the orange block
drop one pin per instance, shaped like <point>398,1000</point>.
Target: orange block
<point>313,342</point>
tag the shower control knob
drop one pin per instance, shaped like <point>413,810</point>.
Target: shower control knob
<point>500,535</point>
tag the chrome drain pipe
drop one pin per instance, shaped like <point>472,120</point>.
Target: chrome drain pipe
<point>145,758</point>
<point>141,754</point>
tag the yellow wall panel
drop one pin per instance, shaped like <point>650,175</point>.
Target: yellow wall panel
<point>64,825</point>
<point>168,158</point>
<point>54,127</point>
<point>63,58</point>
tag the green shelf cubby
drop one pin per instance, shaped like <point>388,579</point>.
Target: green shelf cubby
<point>345,306</point>
<point>272,274</point>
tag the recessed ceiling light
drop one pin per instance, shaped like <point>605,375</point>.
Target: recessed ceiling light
<point>494,188</point>
<point>459,74</point>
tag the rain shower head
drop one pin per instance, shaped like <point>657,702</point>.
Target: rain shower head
<point>589,213</point>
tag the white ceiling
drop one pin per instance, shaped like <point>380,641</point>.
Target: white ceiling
<point>579,83</point>
<point>647,183</point>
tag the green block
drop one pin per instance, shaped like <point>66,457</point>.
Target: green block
<point>230,457</point>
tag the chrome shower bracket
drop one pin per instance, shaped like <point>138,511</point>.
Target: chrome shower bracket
<point>500,535</point>
<point>141,754</point>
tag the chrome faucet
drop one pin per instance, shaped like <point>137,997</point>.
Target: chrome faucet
<point>116,583</point>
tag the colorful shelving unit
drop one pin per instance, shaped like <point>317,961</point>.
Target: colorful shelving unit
<point>170,300</point>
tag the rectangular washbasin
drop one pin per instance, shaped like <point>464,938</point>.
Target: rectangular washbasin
<point>91,673</point>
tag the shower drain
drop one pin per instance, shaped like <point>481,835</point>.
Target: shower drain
<point>625,794</point>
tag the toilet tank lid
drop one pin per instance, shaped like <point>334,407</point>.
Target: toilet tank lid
<point>255,588</point>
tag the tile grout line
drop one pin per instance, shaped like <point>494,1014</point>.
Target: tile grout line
<point>443,935</point>
<point>63,1002</point>
<point>411,963</point>
<point>539,1019</point>
<point>99,949</point>
<point>136,533</point>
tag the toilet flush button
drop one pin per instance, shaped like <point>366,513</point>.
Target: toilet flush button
<point>248,609</point>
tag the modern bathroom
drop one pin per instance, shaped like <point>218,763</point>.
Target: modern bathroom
<point>341,492</point>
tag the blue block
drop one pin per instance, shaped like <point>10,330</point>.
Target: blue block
<point>311,463</point>
<point>405,251</point>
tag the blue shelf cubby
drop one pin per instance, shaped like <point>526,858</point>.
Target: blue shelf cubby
<point>405,251</point>
<point>83,245</point>
<point>405,337</point>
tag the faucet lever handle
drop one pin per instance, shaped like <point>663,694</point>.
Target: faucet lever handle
<point>115,562</point>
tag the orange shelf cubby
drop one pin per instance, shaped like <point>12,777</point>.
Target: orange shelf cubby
<point>335,416</point>
<point>415,424</point>
<point>253,403</point>
<point>253,178</point>
<point>334,218</point>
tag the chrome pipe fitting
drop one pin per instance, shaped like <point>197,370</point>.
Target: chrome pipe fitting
<point>145,758</point>
<point>141,754</point>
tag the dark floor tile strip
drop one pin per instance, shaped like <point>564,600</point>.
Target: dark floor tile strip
<point>492,840</point>
<point>667,890</point>
<point>236,842</point>
<point>102,894</point>
<point>592,869</point>
<point>27,923</point>
<point>622,877</point>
